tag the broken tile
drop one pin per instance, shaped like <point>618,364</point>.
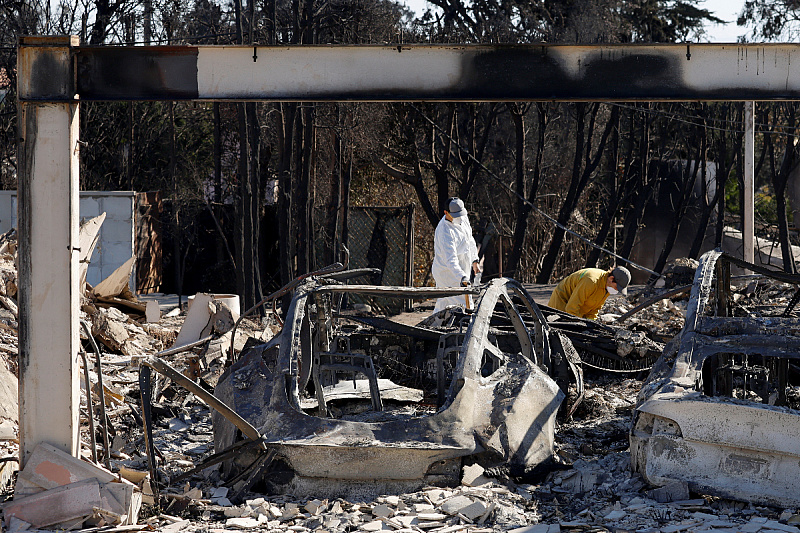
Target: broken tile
<point>59,504</point>
<point>431,517</point>
<point>382,511</point>
<point>455,504</point>
<point>772,524</point>
<point>615,515</point>
<point>375,525</point>
<point>315,506</point>
<point>474,511</point>
<point>538,528</point>
<point>751,527</point>
<point>174,527</point>
<point>407,520</point>
<point>473,476</point>
<point>434,495</point>
<point>242,523</point>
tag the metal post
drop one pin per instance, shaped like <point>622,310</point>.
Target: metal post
<point>748,221</point>
<point>48,253</point>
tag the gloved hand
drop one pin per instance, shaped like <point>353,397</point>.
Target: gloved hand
<point>465,281</point>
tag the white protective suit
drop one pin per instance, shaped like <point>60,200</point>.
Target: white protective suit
<point>454,251</point>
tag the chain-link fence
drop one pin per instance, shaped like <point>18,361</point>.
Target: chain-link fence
<point>377,237</point>
<point>383,237</point>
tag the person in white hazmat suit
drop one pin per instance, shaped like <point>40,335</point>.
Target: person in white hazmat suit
<point>455,253</point>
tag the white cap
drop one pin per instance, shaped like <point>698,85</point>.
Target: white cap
<point>456,208</point>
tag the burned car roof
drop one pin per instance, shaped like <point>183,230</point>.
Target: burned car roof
<point>374,402</point>
<point>720,409</point>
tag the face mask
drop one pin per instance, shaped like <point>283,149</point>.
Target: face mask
<point>612,290</point>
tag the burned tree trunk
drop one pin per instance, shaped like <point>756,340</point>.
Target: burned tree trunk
<point>643,193</point>
<point>524,208</point>
<point>724,169</point>
<point>614,195</point>
<point>584,165</point>
<point>302,190</point>
<point>689,177</point>
<point>285,134</point>
<point>470,161</point>
<point>780,179</point>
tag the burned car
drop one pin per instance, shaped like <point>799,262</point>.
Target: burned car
<point>720,410</point>
<point>374,402</point>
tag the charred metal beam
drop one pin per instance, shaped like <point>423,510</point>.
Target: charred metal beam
<point>395,327</point>
<point>721,326</point>
<point>161,366</point>
<point>767,345</point>
<point>779,275</point>
<point>541,72</point>
<point>402,292</point>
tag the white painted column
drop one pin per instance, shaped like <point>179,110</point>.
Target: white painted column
<point>748,224</point>
<point>48,259</point>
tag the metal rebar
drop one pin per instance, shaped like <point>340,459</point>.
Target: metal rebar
<point>89,403</point>
<point>104,422</point>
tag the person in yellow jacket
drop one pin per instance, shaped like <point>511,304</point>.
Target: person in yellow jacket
<point>584,292</point>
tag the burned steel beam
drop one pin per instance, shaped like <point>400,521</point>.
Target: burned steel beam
<point>540,72</point>
<point>403,329</point>
<point>212,401</point>
<point>408,292</point>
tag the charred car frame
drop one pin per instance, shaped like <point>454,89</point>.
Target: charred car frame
<point>720,409</point>
<point>481,384</point>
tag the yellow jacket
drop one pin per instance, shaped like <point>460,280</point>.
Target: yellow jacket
<point>582,293</point>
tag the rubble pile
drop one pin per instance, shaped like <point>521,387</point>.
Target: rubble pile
<point>588,487</point>
<point>677,273</point>
<point>593,489</point>
<point>662,320</point>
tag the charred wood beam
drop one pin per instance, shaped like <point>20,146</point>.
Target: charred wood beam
<point>216,458</point>
<point>650,301</point>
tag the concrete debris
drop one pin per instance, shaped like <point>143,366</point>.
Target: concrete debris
<point>57,490</point>
<point>117,282</point>
<point>587,486</point>
<point>205,315</point>
<point>473,476</point>
<point>674,491</point>
<point>677,272</point>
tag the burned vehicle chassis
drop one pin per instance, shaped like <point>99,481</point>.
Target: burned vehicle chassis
<point>716,411</point>
<point>486,374</point>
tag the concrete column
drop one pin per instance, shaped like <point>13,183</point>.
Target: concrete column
<point>748,224</point>
<point>48,237</point>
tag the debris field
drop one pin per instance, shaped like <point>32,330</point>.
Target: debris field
<point>589,486</point>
